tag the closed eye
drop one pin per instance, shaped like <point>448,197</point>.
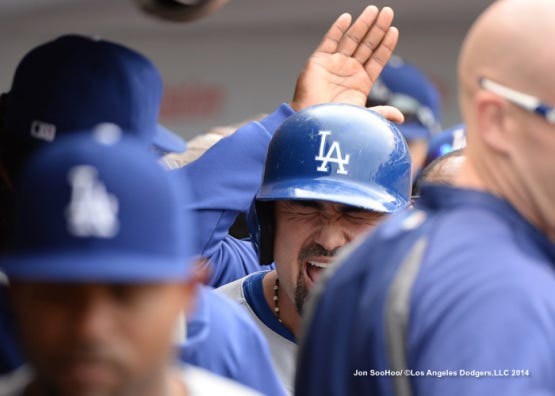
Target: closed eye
<point>303,208</point>
<point>362,216</point>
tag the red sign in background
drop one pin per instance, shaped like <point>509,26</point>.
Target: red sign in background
<point>196,101</point>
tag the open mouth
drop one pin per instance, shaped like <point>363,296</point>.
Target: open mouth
<point>314,269</point>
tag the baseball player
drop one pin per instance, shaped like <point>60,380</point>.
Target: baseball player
<point>71,83</point>
<point>100,271</point>
<point>230,172</point>
<point>332,172</point>
<point>457,296</point>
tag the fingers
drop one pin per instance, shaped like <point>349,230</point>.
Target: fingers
<point>381,55</point>
<point>364,38</point>
<point>390,113</point>
<point>337,30</point>
<point>358,31</point>
<point>372,41</point>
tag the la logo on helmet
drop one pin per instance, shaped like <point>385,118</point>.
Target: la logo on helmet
<point>333,155</point>
<point>92,211</point>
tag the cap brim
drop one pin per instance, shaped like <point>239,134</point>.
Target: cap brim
<point>414,131</point>
<point>104,267</point>
<point>369,197</point>
<point>168,141</point>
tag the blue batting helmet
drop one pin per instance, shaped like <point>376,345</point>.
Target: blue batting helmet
<point>332,152</point>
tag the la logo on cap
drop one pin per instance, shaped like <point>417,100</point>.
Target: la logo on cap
<point>333,155</point>
<point>92,211</point>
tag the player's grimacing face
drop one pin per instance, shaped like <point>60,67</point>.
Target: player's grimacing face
<point>96,339</point>
<point>307,236</point>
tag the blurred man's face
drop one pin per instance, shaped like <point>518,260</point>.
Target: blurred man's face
<point>532,144</point>
<point>308,235</point>
<point>98,339</point>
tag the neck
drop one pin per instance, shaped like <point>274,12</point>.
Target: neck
<point>288,314</point>
<point>478,176</point>
<point>469,177</point>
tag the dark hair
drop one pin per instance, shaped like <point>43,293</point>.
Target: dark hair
<point>433,172</point>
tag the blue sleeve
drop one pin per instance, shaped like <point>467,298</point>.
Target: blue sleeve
<point>224,181</point>
<point>482,313</point>
<point>222,338</point>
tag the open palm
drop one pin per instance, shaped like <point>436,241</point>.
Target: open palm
<point>348,60</point>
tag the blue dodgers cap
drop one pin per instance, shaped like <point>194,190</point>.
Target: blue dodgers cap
<point>451,139</point>
<point>404,86</point>
<point>76,82</point>
<point>99,207</point>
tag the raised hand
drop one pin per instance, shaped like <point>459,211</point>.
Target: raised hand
<point>348,60</point>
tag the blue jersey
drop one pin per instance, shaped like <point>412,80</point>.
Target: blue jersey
<point>454,297</point>
<point>223,339</point>
<point>224,182</point>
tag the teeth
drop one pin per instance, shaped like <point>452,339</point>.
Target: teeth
<point>319,265</point>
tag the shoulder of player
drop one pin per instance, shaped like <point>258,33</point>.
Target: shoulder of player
<point>235,290</point>
<point>201,382</point>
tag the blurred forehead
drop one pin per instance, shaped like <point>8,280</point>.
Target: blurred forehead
<point>88,289</point>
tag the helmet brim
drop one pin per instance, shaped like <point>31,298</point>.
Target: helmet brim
<point>368,196</point>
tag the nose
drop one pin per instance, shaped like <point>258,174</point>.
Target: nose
<point>331,236</point>
<point>92,316</point>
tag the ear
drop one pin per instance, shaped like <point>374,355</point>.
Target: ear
<point>492,120</point>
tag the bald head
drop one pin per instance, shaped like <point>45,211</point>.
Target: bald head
<point>510,149</point>
<point>510,42</point>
